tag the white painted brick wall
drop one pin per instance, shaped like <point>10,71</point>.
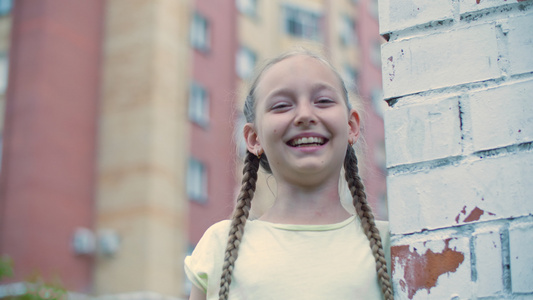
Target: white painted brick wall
<point>502,116</point>
<point>459,139</point>
<point>520,44</point>
<point>395,15</point>
<point>439,60</point>
<point>468,6</point>
<point>521,245</point>
<point>423,132</point>
<point>446,196</point>
<point>488,260</point>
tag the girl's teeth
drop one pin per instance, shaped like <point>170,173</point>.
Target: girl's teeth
<point>308,140</point>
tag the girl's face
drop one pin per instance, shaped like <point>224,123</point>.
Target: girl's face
<point>302,122</point>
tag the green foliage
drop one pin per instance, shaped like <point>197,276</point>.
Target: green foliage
<point>35,288</point>
<point>6,267</point>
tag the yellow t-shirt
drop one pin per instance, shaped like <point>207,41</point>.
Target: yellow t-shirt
<point>281,261</point>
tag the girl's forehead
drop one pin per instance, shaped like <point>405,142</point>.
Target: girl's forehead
<point>298,68</point>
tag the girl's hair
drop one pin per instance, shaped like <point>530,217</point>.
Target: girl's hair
<point>251,166</point>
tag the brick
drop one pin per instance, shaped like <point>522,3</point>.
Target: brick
<point>520,44</point>
<point>427,131</point>
<point>461,193</point>
<point>432,269</point>
<point>521,257</point>
<point>488,261</point>
<point>502,116</point>
<point>396,15</point>
<point>440,60</point>
<point>468,6</point>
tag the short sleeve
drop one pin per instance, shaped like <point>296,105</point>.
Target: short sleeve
<point>205,262</point>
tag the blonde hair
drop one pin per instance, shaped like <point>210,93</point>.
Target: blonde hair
<point>251,166</point>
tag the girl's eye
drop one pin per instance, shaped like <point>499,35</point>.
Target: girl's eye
<point>325,101</point>
<point>280,106</point>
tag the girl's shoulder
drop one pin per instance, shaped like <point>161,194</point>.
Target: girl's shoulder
<point>219,227</point>
<point>217,232</point>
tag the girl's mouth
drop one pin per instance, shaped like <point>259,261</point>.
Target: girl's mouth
<point>307,142</point>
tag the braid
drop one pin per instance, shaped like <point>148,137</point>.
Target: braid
<point>240,215</point>
<point>367,220</point>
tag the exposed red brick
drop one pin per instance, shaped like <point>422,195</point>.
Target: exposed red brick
<point>421,271</point>
<point>474,215</point>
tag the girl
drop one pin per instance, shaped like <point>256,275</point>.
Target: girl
<point>306,246</point>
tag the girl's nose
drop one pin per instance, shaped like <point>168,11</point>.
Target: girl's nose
<point>305,115</point>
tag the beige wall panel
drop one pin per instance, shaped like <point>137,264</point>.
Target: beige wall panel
<point>142,152</point>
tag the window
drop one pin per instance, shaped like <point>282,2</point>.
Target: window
<point>198,104</point>
<point>200,33</point>
<point>4,67</point>
<point>380,105</point>
<point>196,181</point>
<point>301,23</point>
<point>240,121</point>
<point>375,53</point>
<point>5,7</point>
<point>350,77</point>
<point>374,8</point>
<point>1,145</point>
<point>247,7</point>
<point>245,62</point>
<point>348,34</point>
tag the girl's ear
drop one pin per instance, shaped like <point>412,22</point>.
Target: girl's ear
<point>353,126</point>
<point>252,139</point>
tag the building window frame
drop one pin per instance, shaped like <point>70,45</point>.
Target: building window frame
<point>375,53</point>
<point>245,62</point>
<point>198,109</point>
<point>197,181</point>
<point>379,104</point>
<point>348,32</point>
<point>302,23</point>
<point>350,76</point>
<point>247,7</point>
<point>6,6</point>
<point>200,34</point>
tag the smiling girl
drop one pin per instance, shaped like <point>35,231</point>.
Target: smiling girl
<point>301,128</point>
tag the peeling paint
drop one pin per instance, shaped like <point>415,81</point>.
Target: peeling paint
<point>421,271</point>
<point>393,74</point>
<point>474,215</point>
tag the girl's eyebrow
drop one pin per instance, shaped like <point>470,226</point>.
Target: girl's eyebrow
<point>279,92</point>
<point>317,87</point>
<point>323,86</point>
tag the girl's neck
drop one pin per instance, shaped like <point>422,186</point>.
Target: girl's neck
<point>304,205</point>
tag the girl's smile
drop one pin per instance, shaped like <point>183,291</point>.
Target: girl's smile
<point>302,121</point>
